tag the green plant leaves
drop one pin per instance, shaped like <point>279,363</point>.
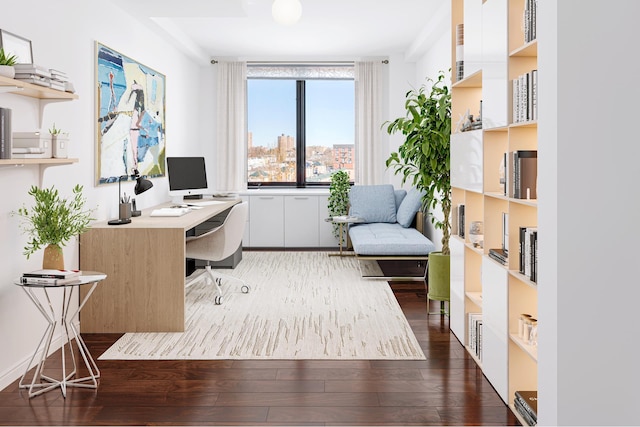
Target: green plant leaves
<point>52,219</point>
<point>424,157</point>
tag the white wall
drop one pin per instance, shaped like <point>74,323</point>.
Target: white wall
<point>63,37</point>
<point>588,289</point>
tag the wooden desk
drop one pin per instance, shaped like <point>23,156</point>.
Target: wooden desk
<point>145,266</point>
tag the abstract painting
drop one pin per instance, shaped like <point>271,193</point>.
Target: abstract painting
<point>130,117</point>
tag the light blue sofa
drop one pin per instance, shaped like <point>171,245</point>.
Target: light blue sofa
<point>388,230</point>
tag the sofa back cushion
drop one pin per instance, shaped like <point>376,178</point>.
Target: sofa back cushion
<point>373,203</point>
<point>409,207</point>
<point>399,195</point>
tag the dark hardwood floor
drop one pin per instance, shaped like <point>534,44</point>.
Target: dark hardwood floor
<point>445,389</point>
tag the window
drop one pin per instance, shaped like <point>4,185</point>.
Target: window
<point>300,124</point>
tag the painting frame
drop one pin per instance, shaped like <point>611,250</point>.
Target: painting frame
<point>14,44</point>
<point>130,118</point>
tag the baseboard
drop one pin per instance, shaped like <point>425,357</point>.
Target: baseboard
<point>15,372</point>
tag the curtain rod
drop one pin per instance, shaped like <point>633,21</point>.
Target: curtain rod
<point>384,61</point>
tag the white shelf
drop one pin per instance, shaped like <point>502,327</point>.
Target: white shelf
<point>531,351</point>
<point>475,297</point>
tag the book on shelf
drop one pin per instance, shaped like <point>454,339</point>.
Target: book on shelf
<point>526,402</point>
<point>505,233</point>
<point>49,281</point>
<point>499,255</point>
<point>528,420</point>
<point>475,334</point>
<point>523,174</point>
<point>53,274</point>
<point>460,220</point>
<point>527,255</point>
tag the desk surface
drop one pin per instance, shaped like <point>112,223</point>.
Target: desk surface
<point>185,222</point>
<point>145,266</point>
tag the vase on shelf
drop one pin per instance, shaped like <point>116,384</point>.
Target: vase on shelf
<point>53,258</point>
<point>7,71</point>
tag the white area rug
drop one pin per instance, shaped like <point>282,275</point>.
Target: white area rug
<point>302,305</point>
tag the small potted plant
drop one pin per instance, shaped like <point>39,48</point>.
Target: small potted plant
<point>59,142</point>
<point>52,221</point>
<point>338,203</point>
<point>7,61</point>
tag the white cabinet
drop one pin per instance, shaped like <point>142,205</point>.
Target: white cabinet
<point>472,36</point>
<point>495,339</point>
<point>288,219</point>
<point>495,103</point>
<point>466,160</point>
<point>300,221</point>
<point>246,239</point>
<point>266,220</point>
<point>457,310</point>
<point>326,239</point>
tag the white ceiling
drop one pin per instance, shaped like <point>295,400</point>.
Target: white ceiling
<point>207,29</point>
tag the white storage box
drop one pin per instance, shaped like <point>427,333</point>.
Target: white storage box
<point>35,141</point>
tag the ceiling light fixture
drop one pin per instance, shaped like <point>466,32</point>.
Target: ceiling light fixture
<point>286,12</point>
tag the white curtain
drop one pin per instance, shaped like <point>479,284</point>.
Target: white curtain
<point>231,128</point>
<point>370,160</point>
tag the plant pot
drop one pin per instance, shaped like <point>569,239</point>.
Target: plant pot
<point>53,258</point>
<point>438,278</point>
<point>7,71</point>
<point>60,144</point>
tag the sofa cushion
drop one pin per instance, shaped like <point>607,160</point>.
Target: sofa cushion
<point>399,195</point>
<point>385,239</point>
<point>373,203</point>
<point>409,207</point>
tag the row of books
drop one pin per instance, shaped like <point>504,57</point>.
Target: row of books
<point>51,277</point>
<point>529,252</point>
<point>475,334</point>
<point>529,20</point>
<point>525,97</point>
<point>521,174</point>
<point>526,404</point>
<point>459,52</point>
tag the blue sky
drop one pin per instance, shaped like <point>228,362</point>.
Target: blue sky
<point>330,111</point>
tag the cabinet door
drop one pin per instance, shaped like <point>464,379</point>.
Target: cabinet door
<point>494,67</point>
<point>266,221</point>
<point>301,221</point>
<point>495,339</point>
<point>326,239</point>
<point>466,160</point>
<point>457,312</point>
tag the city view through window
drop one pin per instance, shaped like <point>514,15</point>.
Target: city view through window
<point>328,129</point>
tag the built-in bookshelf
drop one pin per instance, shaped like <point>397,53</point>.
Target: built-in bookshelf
<point>494,176</point>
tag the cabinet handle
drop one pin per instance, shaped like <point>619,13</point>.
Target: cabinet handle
<point>266,197</point>
<point>301,198</point>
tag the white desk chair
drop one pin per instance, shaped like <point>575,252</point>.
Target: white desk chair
<point>216,245</point>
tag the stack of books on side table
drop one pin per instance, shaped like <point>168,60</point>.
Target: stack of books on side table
<point>526,403</point>
<point>51,277</point>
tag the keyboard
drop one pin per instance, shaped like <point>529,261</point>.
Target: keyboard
<point>170,211</point>
<point>205,203</point>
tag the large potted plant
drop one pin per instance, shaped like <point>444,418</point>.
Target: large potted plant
<point>52,221</point>
<point>424,160</point>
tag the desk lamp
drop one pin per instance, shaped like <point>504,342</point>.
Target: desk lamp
<point>142,185</point>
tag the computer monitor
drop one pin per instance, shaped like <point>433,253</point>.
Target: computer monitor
<point>187,177</point>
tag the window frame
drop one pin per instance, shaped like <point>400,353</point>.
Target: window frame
<point>301,146</point>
